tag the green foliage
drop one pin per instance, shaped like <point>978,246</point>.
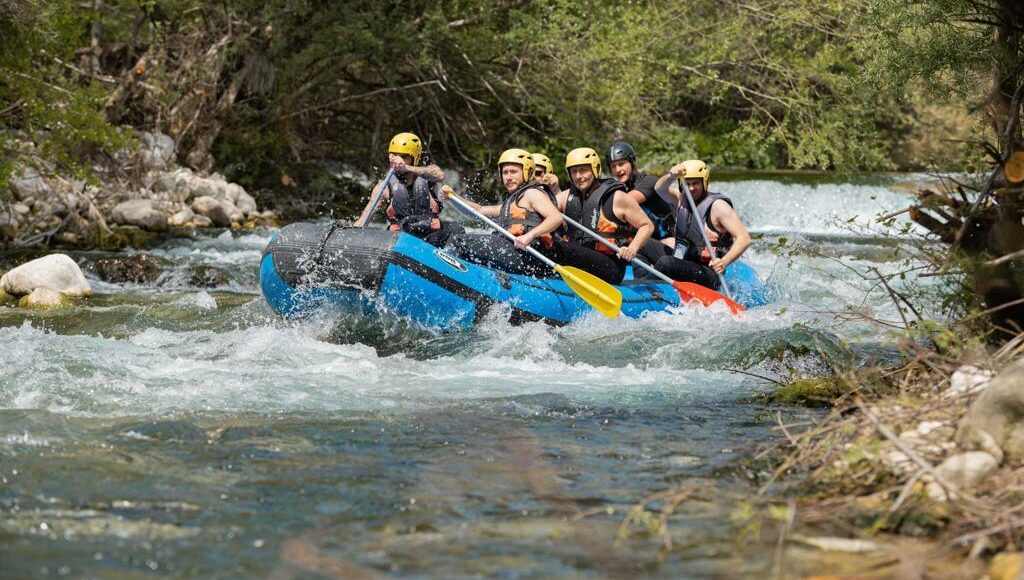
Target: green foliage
<point>39,100</point>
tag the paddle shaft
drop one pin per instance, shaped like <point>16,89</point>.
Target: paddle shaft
<point>533,251</point>
<point>372,206</point>
<point>612,245</point>
<point>685,189</point>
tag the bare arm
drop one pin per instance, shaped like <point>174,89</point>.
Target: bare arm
<point>627,209</point>
<point>491,211</point>
<point>431,173</point>
<point>724,217</point>
<point>638,195</point>
<point>539,202</point>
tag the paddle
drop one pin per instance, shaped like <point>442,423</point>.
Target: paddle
<point>604,297</point>
<point>371,206</point>
<point>685,189</point>
<point>687,290</point>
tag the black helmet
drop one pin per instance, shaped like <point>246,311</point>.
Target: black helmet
<point>621,150</point>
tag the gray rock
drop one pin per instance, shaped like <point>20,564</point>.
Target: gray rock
<point>995,422</point>
<point>141,213</point>
<point>234,214</point>
<point>201,221</point>
<point>204,187</point>
<point>157,150</point>
<point>246,203</point>
<point>56,272</point>
<point>8,225</point>
<point>138,268</point>
<point>176,184</point>
<point>182,218</point>
<point>215,210</point>
<point>29,183</point>
<point>963,471</point>
<point>203,276</point>
<point>21,209</point>
<point>43,298</point>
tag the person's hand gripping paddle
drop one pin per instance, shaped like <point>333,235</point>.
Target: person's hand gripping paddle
<point>604,297</point>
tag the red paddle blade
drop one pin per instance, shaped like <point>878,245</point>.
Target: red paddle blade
<point>689,291</point>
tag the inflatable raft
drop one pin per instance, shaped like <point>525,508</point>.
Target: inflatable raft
<point>307,266</point>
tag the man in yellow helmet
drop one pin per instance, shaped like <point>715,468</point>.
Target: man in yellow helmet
<point>528,211</point>
<point>413,201</point>
<point>715,216</point>
<point>604,206</point>
<point>542,165</point>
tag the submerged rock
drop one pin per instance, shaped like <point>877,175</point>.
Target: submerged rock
<point>44,298</point>
<point>166,431</point>
<point>995,422</point>
<point>207,277</point>
<point>139,268</point>
<point>56,272</point>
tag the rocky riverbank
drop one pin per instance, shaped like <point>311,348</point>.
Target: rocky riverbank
<point>139,195</point>
<point>931,450</point>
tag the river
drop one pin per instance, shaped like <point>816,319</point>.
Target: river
<point>167,430</point>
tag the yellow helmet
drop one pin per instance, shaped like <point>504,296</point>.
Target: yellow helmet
<point>697,169</point>
<point>407,144</point>
<point>520,157</point>
<point>584,156</point>
<point>541,160</point>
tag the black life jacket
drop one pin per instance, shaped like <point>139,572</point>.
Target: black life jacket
<point>417,212</point>
<point>598,215</point>
<point>517,220</point>
<point>689,235</point>
<point>661,214</point>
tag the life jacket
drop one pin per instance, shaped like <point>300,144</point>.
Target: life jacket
<point>689,235</point>
<point>658,211</point>
<point>517,220</point>
<point>598,214</point>
<point>417,212</point>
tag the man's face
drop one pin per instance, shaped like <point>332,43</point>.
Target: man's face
<point>511,176</point>
<point>696,186</point>
<point>582,176</point>
<point>622,169</point>
<point>397,159</point>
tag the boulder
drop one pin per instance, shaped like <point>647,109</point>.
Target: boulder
<point>44,298</point>
<point>234,214</point>
<point>964,471</point>
<point>218,213</point>
<point>141,213</point>
<point>157,150</point>
<point>29,183</point>
<point>8,225</point>
<point>202,186</point>
<point>138,268</point>
<point>201,221</point>
<point>174,183</point>
<point>245,202</point>
<point>181,218</point>
<point>56,272</point>
<point>995,421</point>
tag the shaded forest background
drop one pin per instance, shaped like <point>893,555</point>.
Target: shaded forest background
<point>285,94</point>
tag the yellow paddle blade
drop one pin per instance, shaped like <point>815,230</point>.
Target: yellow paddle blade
<point>604,297</point>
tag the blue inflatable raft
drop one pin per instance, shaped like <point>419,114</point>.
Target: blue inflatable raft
<point>307,266</point>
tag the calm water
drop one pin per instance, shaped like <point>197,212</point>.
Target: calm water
<point>169,431</point>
